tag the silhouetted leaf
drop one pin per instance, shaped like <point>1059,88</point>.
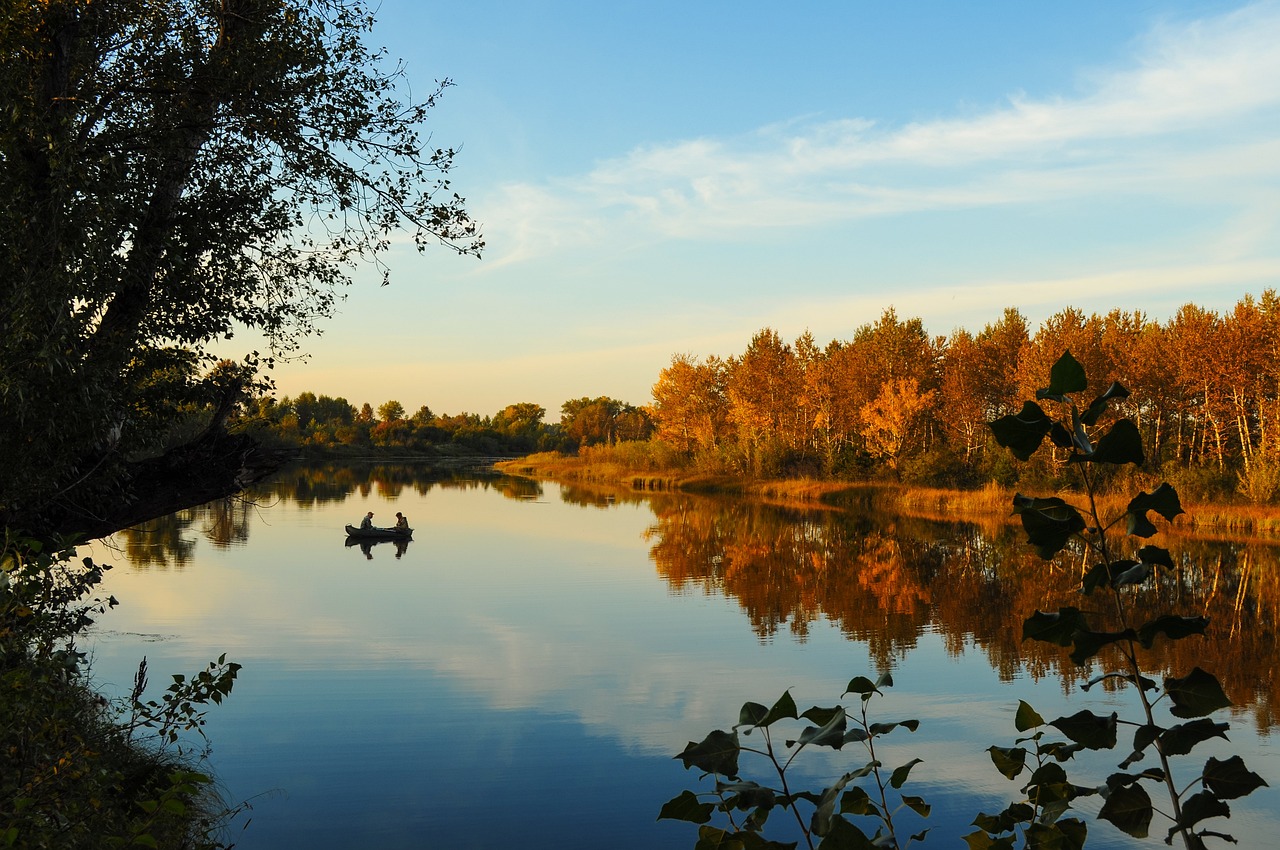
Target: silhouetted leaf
<point>861,685</point>
<point>1065,376</point>
<point>1129,808</point>
<point>1230,779</point>
<point>748,795</point>
<point>1120,445</point>
<point>845,836</point>
<point>1163,500</point>
<point>886,728</point>
<point>1171,626</point>
<point>1143,737</point>
<point>1100,404</point>
<point>1088,643</point>
<point>1088,729</point>
<point>756,715</point>
<point>917,805</point>
<point>1181,739</point>
<point>717,753</point>
<point>686,807</point>
<point>983,841</point>
<point>829,734</point>
<point>1056,627</point>
<point>1026,717</point>
<point>855,801</point>
<point>1155,556</point>
<point>1196,694</point>
<point>1201,806</point>
<point>1009,761</point>
<point>899,774</point>
<point>1049,523</point>
<point>1023,432</point>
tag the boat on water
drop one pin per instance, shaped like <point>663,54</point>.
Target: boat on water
<point>376,533</point>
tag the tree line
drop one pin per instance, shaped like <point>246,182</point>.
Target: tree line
<point>323,422</point>
<point>892,400</point>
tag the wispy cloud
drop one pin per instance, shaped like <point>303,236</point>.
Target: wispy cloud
<point>1194,112</point>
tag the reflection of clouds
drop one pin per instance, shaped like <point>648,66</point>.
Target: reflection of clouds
<point>554,609</point>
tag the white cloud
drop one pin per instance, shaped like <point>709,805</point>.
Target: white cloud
<point>1194,112</point>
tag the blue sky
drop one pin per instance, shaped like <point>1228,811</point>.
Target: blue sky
<point>659,178</point>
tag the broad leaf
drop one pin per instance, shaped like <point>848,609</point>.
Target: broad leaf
<point>717,753</point>
<point>1156,556</point>
<point>755,715</point>
<point>1099,404</point>
<point>845,836</point>
<point>1049,523</point>
<point>1023,432</point>
<point>861,685</point>
<point>1120,445</point>
<point>1172,627</point>
<point>1163,500</point>
<point>917,805</point>
<point>1129,808</point>
<point>1056,627</point>
<point>1201,806</point>
<point>829,734</point>
<point>686,807</point>
<point>1065,376</point>
<point>1009,761</point>
<point>1230,779</point>
<point>886,728</point>
<point>1088,643</point>
<point>1181,739</point>
<point>1196,694</point>
<point>1026,717</point>
<point>899,775</point>
<point>1088,729</point>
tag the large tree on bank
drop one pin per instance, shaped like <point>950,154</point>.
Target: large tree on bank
<point>172,170</point>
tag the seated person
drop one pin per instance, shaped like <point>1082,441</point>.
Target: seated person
<point>367,523</point>
<point>402,522</point>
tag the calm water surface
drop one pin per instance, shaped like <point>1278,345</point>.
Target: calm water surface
<point>523,671</point>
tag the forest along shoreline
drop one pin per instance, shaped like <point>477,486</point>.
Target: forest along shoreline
<point>1223,521</point>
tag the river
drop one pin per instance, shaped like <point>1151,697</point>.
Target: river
<point>522,673</point>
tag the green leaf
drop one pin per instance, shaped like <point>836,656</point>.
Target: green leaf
<point>822,716</point>
<point>1049,523</point>
<point>845,836</point>
<point>1023,432</point>
<point>717,753</point>
<point>686,807</point>
<point>1088,729</point>
<point>1143,737</point>
<point>886,728</point>
<point>917,805</point>
<point>757,716</point>
<point>1065,376</point>
<point>1026,717</point>
<point>1009,761</point>
<point>1172,627</point>
<point>856,801</point>
<point>1196,694</point>
<point>1129,808</point>
<point>983,841</point>
<point>829,734</point>
<point>1230,779</point>
<point>899,774</point>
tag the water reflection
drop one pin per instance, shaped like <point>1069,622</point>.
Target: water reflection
<point>886,580</point>
<point>881,579</point>
<point>366,546</point>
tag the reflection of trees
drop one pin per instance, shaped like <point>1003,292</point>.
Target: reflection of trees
<point>886,580</point>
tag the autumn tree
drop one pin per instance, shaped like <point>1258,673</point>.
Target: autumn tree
<point>390,411</point>
<point>172,171</point>
<point>690,407</point>
<point>892,422</point>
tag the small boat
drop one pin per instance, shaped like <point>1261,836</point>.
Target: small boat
<point>379,533</point>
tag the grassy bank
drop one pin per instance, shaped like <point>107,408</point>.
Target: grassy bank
<point>1225,520</point>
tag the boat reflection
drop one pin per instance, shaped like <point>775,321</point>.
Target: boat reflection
<point>366,545</point>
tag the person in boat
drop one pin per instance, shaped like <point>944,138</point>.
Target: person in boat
<point>402,522</point>
<point>366,524</point>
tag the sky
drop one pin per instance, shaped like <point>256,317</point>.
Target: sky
<point>666,178</point>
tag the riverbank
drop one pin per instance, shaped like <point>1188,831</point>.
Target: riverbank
<point>1223,521</point>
